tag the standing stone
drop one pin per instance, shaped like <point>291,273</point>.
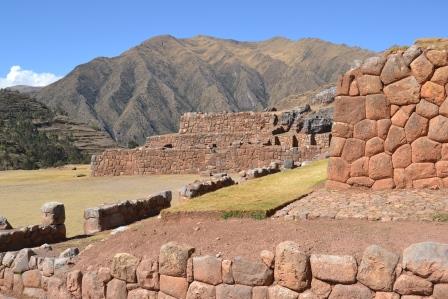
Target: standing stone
<point>409,284</point>
<point>395,69</point>
<point>199,290</point>
<point>173,259</point>
<point>251,273</point>
<point>292,269</point>
<point>377,268</point>
<point>403,92</point>
<point>53,213</point>
<point>333,268</point>
<point>116,289</point>
<point>207,269</point>
<point>124,267</point>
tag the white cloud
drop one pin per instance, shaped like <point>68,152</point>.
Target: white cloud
<point>19,76</point>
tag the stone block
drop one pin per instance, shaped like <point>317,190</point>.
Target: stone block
<point>355,291</point>
<point>374,146</point>
<point>279,292</point>
<point>31,279</point>
<point>402,157</point>
<point>227,275</point>
<point>438,129</point>
<point>338,170</point>
<point>394,69</point>
<point>148,274</point>
<point>251,273</point>
<point>383,126</point>
<point>369,84</point>
<point>199,290</point>
<point>353,149</point>
<point>74,283</point>
<point>417,171</point>
<point>440,76</point>
<point>403,92</point>
<point>438,57</point>
<point>333,268</point>
<point>343,130</point>
<point>174,286</point>
<point>361,181</point>
<point>422,68</point>
<point>173,259</point>
<point>116,289</point>
<point>365,129</point>
<point>53,213</point>
<point>425,150</point>
<point>416,126</point>
<point>207,269</point>
<point>384,184</point>
<point>395,137</point>
<point>409,284</point>
<point>336,146</point>
<point>124,267</point>
<point>349,110</point>
<point>433,93</point>
<point>226,291</point>
<point>268,258</point>
<point>292,269</point>
<point>377,107</point>
<point>427,109</point>
<point>373,65</point>
<point>380,166</point>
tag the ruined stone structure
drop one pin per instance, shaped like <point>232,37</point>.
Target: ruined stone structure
<point>391,122</point>
<point>287,273</point>
<point>51,230</point>
<point>108,216</point>
<point>222,142</point>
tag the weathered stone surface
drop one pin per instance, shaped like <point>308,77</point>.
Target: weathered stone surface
<point>383,184</point>
<point>124,267</point>
<point>433,93</point>
<point>74,283</point>
<point>268,258</point>
<point>338,169</point>
<point>31,279</point>
<point>369,84</point>
<point>400,118</point>
<point>442,169</point>
<point>402,157</point>
<point>425,150</point>
<point>22,261</point>
<point>432,183</point>
<point>116,289</point>
<point>411,53</point>
<point>422,68</point>
<point>53,213</point>
<point>437,57</point>
<point>361,181</point>
<point>342,130</point>
<point>333,268</point>
<point>251,273</point>
<point>417,171</point>
<point>4,224</point>
<point>34,293</point>
<point>374,146</point>
<point>427,259</point>
<point>335,185</point>
<point>395,69</point>
<point>227,275</point>
<point>354,90</point>
<point>148,274</point>
<point>353,149</point>
<point>401,180</point>
<point>386,295</point>
<point>360,167</point>
<point>320,288</point>
<point>440,291</point>
<point>373,65</point>
<point>354,291</point>
<point>226,291</point>
<point>207,269</point>
<point>394,109</point>
<point>377,268</point>
<point>380,166</point>
<point>279,292</point>
<point>403,92</point>
<point>336,146</point>
<point>377,107</point>
<point>343,84</point>
<point>438,129</point>
<point>383,126</point>
<point>92,287</point>
<point>440,76</point>
<point>260,292</point>
<point>174,286</point>
<point>162,295</point>
<point>104,274</point>
<point>443,109</point>
<point>409,284</point>
<point>292,269</point>
<point>173,259</point>
<point>427,109</point>
<point>141,294</point>
<point>349,110</point>
<point>199,290</point>
<point>48,266</point>
<point>365,129</point>
<point>415,127</point>
<point>395,137</point>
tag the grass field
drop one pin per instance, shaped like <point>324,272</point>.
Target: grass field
<point>256,198</point>
<point>22,192</point>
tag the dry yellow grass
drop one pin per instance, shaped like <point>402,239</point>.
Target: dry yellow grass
<point>256,197</point>
<point>22,192</point>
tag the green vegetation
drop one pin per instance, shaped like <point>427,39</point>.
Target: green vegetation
<point>440,217</point>
<point>22,145</point>
<point>258,198</point>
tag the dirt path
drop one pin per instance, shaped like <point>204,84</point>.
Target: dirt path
<point>247,237</point>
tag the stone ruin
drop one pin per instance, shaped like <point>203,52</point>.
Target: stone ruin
<point>220,142</point>
<point>390,125</point>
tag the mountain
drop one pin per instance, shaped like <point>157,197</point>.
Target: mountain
<point>146,89</point>
<point>34,136</point>
<point>26,89</point>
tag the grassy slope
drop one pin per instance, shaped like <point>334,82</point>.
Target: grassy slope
<point>256,197</point>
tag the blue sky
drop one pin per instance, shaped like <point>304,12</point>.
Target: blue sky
<point>53,36</point>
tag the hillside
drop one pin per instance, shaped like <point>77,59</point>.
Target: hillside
<point>33,136</point>
<point>146,89</point>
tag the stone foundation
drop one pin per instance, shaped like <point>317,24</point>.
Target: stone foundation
<point>286,273</point>
<point>391,123</point>
<point>202,187</point>
<point>220,142</point>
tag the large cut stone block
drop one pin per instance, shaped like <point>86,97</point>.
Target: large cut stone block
<point>349,110</point>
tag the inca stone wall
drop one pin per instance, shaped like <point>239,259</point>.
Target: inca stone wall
<point>221,142</point>
<point>391,123</point>
<point>287,273</point>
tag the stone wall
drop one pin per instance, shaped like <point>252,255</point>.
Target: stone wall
<point>108,216</point>
<point>391,123</point>
<point>51,230</point>
<point>201,187</point>
<point>287,273</point>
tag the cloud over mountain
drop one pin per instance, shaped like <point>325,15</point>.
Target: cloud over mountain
<point>19,76</point>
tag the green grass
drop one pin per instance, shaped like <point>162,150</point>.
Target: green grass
<point>260,197</point>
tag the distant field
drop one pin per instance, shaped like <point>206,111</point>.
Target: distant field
<point>257,197</point>
<point>22,192</point>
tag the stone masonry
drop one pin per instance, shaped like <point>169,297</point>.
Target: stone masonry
<point>288,273</point>
<point>220,142</point>
<point>391,122</point>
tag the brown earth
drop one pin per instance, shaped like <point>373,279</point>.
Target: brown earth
<point>247,237</point>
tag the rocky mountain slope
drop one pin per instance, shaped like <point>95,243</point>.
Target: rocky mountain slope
<point>146,89</point>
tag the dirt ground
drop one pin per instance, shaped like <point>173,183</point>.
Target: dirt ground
<point>22,192</point>
<point>247,237</point>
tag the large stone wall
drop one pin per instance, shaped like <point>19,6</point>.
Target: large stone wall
<point>391,123</point>
<point>219,142</point>
<point>287,273</point>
